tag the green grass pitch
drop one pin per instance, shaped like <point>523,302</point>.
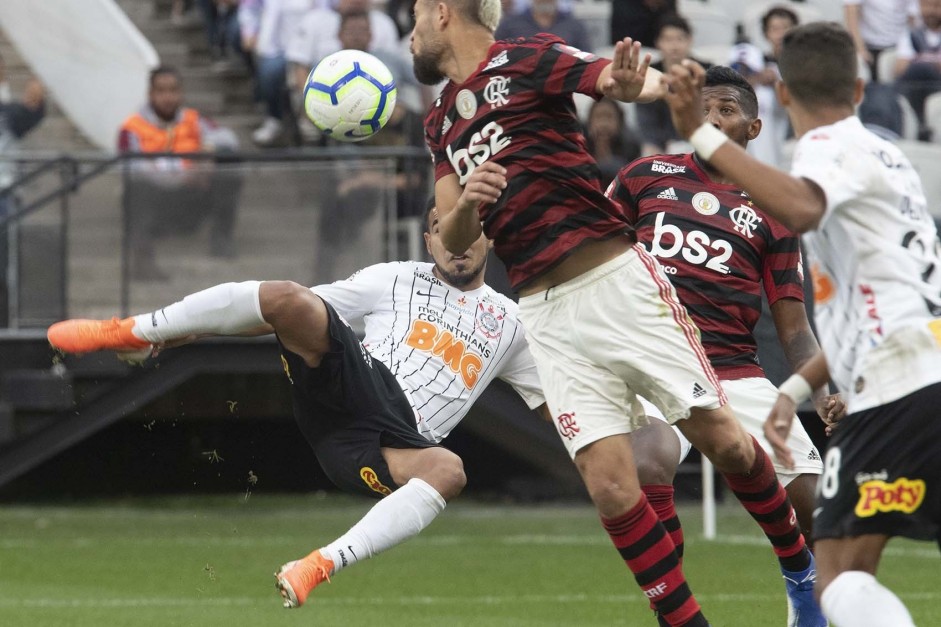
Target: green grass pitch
<point>207,561</point>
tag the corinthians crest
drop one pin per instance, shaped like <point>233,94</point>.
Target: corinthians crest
<point>488,320</point>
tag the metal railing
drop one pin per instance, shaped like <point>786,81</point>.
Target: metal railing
<point>99,235</point>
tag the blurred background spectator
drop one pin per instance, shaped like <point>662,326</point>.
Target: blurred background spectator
<point>17,118</point>
<point>174,195</point>
<point>267,26</point>
<point>639,19</point>
<point>360,199</point>
<point>674,41</point>
<point>918,62</point>
<point>221,23</point>
<point>545,16</point>
<point>353,26</point>
<point>876,25</point>
<point>761,70</point>
<point>610,141</point>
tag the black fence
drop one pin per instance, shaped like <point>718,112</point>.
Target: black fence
<point>100,235</point>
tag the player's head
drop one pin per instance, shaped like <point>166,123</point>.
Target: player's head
<point>165,95</point>
<point>730,104</point>
<point>674,38</point>
<point>439,22</point>
<point>818,67</point>
<point>775,22</point>
<point>355,31</point>
<point>931,14</point>
<point>464,271</point>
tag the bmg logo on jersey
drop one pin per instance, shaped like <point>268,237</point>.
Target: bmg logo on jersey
<point>482,145</point>
<point>669,241</point>
<point>425,336</point>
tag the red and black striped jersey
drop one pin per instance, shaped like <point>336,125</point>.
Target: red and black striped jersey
<point>517,110</point>
<point>717,248</point>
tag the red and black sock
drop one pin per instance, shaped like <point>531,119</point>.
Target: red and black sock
<point>647,550</point>
<point>660,498</point>
<point>764,498</point>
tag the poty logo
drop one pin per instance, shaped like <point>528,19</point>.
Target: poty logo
<point>496,91</point>
<point>426,337</point>
<point>369,476</point>
<point>745,219</point>
<point>902,495</point>
<point>567,426</point>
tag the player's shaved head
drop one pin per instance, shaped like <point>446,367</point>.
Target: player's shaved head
<point>818,64</point>
<point>722,76</point>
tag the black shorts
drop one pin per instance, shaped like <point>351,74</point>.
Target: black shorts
<point>882,472</point>
<point>347,408</point>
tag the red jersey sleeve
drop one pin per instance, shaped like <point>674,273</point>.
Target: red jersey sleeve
<point>562,69</point>
<point>783,272</point>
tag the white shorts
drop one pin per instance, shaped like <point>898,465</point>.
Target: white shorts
<point>751,401</point>
<point>613,332</point>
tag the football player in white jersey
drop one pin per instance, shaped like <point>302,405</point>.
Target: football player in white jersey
<point>373,411</point>
<point>876,266</point>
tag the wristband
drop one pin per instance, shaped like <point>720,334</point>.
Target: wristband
<point>796,388</point>
<point>706,140</point>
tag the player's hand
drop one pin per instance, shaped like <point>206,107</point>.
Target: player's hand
<point>684,95</point>
<point>628,72</point>
<point>778,426</point>
<point>483,187</point>
<point>831,410</point>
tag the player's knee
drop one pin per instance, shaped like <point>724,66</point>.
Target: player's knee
<point>283,300</point>
<point>445,473</point>
<point>656,454</point>
<point>731,454</point>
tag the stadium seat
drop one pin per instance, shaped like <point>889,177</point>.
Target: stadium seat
<point>717,54</point>
<point>886,65</point>
<point>710,27</point>
<point>925,158</point>
<point>909,119</point>
<point>933,115</point>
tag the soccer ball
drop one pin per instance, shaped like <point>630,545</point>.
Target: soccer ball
<point>350,95</point>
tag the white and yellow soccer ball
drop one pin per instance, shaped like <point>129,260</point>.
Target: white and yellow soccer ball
<point>350,95</point>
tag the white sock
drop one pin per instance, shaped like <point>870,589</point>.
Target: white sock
<point>225,309</point>
<point>856,599</point>
<point>391,521</point>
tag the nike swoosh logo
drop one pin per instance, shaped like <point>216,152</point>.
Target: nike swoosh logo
<point>817,512</point>
<point>427,294</point>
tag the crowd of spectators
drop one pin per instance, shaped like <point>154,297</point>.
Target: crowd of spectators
<point>278,41</point>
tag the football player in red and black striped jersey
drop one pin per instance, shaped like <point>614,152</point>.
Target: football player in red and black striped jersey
<point>603,320</point>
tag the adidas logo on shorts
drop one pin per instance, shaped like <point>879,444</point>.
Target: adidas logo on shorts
<point>698,391</point>
<point>813,455</point>
<point>668,194</point>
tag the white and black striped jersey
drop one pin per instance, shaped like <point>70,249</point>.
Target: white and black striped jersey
<point>876,265</point>
<point>443,345</point>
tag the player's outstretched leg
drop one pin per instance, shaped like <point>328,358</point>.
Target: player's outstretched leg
<point>224,309</point>
<point>749,473</point>
<point>437,477</point>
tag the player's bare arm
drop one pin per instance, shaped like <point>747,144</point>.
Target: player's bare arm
<point>778,423</point>
<point>800,346</point>
<point>796,202</point>
<point>458,217</point>
<point>629,77</point>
